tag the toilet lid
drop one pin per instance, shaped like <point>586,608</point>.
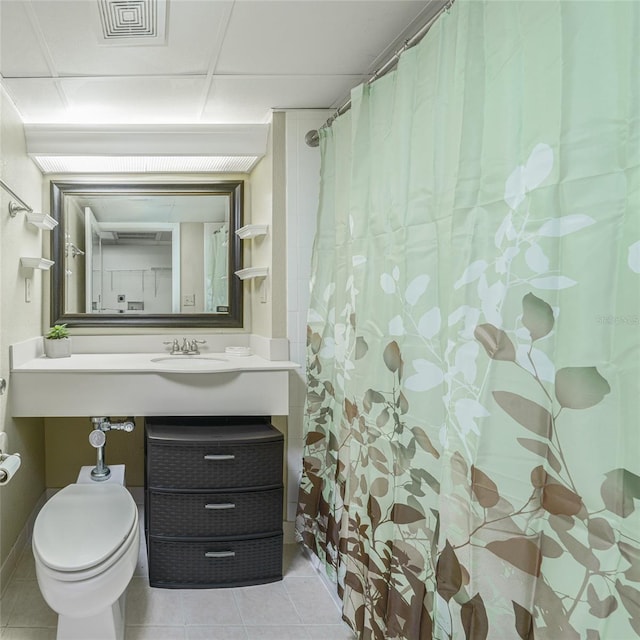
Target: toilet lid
<point>82,525</point>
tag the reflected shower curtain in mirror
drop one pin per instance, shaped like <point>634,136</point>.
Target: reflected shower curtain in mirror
<point>471,464</point>
<point>216,268</point>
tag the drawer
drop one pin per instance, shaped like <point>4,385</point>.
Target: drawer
<point>215,564</point>
<point>214,465</point>
<point>212,515</point>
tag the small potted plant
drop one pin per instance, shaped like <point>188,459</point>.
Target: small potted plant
<point>57,343</point>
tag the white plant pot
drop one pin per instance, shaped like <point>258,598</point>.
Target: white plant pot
<point>57,348</point>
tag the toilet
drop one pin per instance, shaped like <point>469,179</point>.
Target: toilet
<point>85,545</point>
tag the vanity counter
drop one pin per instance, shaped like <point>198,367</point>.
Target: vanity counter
<point>147,383</point>
<point>152,363</point>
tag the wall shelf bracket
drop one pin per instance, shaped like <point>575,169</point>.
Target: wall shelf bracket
<point>36,263</point>
<point>252,272</point>
<point>41,220</point>
<point>250,231</point>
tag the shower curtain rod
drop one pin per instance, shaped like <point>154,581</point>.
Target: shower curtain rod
<point>312,138</point>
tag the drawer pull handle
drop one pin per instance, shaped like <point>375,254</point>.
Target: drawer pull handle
<point>220,505</point>
<point>220,456</point>
<point>220,554</point>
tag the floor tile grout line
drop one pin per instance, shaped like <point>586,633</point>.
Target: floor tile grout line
<point>235,600</point>
<point>316,578</point>
<point>183,612</point>
<point>291,601</point>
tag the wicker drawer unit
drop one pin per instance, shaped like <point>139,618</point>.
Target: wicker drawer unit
<point>213,501</point>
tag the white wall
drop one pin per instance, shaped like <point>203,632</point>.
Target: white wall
<point>267,297</point>
<point>19,320</point>
<point>303,188</point>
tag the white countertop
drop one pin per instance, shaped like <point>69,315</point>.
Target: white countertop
<point>144,363</point>
<point>106,377</point>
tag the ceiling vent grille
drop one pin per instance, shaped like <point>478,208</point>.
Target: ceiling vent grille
<point>142,237</point>
<point>133,21</point>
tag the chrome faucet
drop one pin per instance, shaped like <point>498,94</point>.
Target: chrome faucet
<point>188,348</point>
<point>175,346</point>
<point>192,348</point>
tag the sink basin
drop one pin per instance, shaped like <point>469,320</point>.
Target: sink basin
<point>189,362</point>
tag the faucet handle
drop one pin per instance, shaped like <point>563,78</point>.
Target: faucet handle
<point>175,345</point>
<point>193,346</point>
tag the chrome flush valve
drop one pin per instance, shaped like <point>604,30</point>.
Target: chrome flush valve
<point>98,439</point>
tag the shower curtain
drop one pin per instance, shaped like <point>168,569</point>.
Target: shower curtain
<point>472,432</point>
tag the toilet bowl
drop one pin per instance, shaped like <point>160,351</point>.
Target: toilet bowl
<point>85,545</point>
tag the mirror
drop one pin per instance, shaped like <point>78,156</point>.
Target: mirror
<point>160,255</point>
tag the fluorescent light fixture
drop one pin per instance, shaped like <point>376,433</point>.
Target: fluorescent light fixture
<point>153,148</point>
<point>146,140</point>
<point>145,164</point>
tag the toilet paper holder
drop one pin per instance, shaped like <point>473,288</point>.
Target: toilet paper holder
<point>4,443</point>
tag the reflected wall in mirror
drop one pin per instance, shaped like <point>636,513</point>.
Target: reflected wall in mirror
<point>146,254</point>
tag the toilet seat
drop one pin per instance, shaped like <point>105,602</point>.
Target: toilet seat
<point>84,528</point>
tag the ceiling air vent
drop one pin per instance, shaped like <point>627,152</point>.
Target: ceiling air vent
<point>133,21</point>
<point>141,237</point>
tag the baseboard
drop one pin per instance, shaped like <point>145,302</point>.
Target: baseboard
<point>330,586</point>
<point>289,530</point>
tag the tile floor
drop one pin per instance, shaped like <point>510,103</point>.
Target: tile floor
<point>298,608</point>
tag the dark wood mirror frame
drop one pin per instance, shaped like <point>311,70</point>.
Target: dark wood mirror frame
<point>233,189</point>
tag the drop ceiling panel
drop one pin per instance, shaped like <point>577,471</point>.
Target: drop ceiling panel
<point>245,57</point>
<point>73,35</point>
<point>20,51</point>
<point>314,36</point>
<point>150,99</point>
<point>37,99</point>
<point>249,99</point>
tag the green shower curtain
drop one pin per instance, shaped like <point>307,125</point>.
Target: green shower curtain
<point>472,455</point>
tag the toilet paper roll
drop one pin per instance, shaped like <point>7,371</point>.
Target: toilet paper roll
<point>8,466</point>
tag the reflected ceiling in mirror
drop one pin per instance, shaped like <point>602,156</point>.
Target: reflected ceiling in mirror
<point>146,254</point>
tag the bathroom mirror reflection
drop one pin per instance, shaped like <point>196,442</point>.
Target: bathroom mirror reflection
<point>146,254</point>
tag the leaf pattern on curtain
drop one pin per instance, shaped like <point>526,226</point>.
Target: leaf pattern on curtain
<point>470,464</point>
<point>374,571</point>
